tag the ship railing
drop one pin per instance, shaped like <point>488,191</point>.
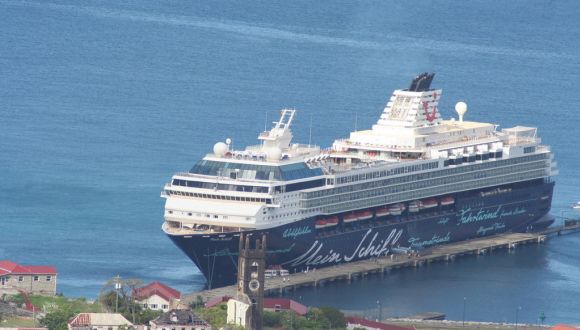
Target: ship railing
<point>179,228</point>
<point>221,179</point>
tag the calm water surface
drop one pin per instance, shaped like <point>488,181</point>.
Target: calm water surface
<point>101,101</point>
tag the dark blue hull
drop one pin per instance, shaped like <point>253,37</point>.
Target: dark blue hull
<point>299,245</point>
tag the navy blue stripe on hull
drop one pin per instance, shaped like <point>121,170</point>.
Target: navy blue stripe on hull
<point>299,245</point>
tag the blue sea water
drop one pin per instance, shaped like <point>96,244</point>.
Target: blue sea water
<point>101,101</point>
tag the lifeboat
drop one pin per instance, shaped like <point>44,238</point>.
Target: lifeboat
<point>350,218</point>
<point>332,221</point>
<point>447,200</point>
<point>429,203</point>
<point>383,211</point>
<point>414,206</point>
<point>396,209</point>
<point>319,224</point>
<point>364,215</point>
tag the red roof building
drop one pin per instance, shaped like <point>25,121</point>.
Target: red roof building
<point>358,322</point>
<point>279,304</point>
<point>30,279</point>
<point>564,327</point>
<point>156,296</point>
<point>216,301</point>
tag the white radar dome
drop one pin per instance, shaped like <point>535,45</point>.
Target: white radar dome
<point>274,154</point>
<point>228,141</point>
<point>461,109</point>
<point>220,149</point>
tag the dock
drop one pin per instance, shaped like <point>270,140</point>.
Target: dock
<point>383,265</point>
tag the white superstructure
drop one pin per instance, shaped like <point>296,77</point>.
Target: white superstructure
<point>410,153</point>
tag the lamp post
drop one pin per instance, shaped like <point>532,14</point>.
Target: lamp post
<point>464,304</point>
<point>517,314</point>
<point>117,288</point>
<point>542,317</point>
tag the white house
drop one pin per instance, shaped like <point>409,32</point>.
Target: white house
<point>156,296</point>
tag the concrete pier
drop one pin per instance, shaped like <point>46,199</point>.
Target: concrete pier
<point>381,266</point>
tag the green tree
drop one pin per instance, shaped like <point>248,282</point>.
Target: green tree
<point>334,316</point>
<point>272,319</point>
<point>122,299</point>
<point>57,320</point>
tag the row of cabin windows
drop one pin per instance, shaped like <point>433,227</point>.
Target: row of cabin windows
<point>215,216</point>
<point>393,171</point>
<point>460,186</point>
<point>226,197</point>
<point>422,176</point>
<point>528,150</point>
<point>473,158</point>
<point>218,186</point>
<point>364,192</point>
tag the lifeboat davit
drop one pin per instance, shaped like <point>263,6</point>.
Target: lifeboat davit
<point>332,221</point>
<point>396,209</point>
<point>350,218</point>
<point>383,211</point>
<point>364,215</point>
<point>414,206</point>
<point>447,200</point>
<point>429,203</point>
<point>319,224</point>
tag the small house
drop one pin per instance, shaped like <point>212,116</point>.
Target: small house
<point>98,321</point>
<point>30,279</point>
<point>156,296</point>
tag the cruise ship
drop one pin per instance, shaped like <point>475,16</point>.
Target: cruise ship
<point>411,181</point>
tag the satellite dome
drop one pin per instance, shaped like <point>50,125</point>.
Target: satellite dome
<point>220,149</point>
<point>228,141</point>
<point>274,154</point>
<point>461,109</point>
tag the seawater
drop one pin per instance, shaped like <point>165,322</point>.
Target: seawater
<point>101,101</point>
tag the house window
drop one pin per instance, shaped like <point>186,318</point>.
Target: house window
<point>48,278</point>
<point>20,278</point>
<point>153,306</point>
<point>36,278</point>
<point>144,305</point>
<point>110,328</point>
<point>165,306</point>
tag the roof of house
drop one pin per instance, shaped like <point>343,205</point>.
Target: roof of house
<point>9,267</point>
<point>103,319</point>
<point>1,328</point>
<point>563,327</point>
<point>374,325</point>
<point>179,317</point>
<point>283,303</point>
<point>156,288</point>
<point>216,301</point>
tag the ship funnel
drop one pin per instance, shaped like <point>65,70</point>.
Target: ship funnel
<point>461,109</point>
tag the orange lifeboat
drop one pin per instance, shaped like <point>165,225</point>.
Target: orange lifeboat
<point>319,224</point>
<point>364,215</point>
<point>429,203</point>
<point>349,218</point>
<point>447,200</point>
<point>381,212</point>
<point>332,221</point>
